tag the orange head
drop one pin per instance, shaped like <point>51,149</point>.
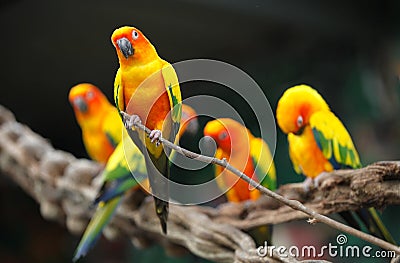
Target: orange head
<point>132,47</point>
<point>226,132</point>
<point>87,100</point>
<point>296,106</point>
<point>189,122</point>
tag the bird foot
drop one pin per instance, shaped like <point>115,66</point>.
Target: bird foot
<point>155,136</point>
<point>320,179</point>
<point>308,184</point>
<point>130,120</point>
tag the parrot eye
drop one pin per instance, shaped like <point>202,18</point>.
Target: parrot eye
<point>135,35</point>
<point>222,135</point>
<point>300,121</point>
<point>90,95</point>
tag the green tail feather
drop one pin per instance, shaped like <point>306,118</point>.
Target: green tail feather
<point>348,216</point>
<point>261,234</point>
<point>374,223</point>
<point>102,216</point>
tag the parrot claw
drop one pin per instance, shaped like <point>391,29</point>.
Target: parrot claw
<point>308,184</point>
<point>130,120</point>
<point>320,179</point>
<point>155,136</point>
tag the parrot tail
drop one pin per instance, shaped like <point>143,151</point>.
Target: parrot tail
<point>159,188</point>
<point>162,212</point>
<point>261,235</point>
<point>350,219</point>
<point>371,219</point>
<point>99,221</point>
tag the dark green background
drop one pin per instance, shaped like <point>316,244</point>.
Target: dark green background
<point>349,51</point>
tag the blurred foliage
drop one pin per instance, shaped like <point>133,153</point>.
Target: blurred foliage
<point>348,50</point>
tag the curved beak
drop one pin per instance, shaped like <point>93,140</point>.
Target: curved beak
<point>126,47</point>
<point>300,131</point>
<point>81,104</point>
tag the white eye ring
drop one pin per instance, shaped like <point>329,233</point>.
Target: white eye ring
<point>135,35</point>
<point>222,135</point>
<point>300,121</point>
<point>90,95</point>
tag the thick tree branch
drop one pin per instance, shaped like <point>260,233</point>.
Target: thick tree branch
<point>65,186</point>
<point>294,204</point>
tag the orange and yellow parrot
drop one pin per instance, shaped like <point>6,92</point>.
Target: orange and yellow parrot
<point>98,119</point>
<point>245,152</point>
<point>124,172</point>
<point>147,88</point>
<point>319,142</point>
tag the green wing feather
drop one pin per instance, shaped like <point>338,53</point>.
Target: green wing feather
<point>175,99</point>
<point>117,180</point>
<point>124,169</point>
<point>118,94</point>
<point>337,146</point>
<point>266,174</point>
<point>125,159</point>
<point>263,163</point>
<point>334,140</point>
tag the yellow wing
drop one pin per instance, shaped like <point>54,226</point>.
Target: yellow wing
<point>334,140</point>
<point>112,127</point>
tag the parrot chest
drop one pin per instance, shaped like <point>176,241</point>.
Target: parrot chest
<point>306,155</point>
<point>146,97</point>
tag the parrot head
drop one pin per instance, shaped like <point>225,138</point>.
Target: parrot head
<point>189,122</point>
<point>296,106</point>
<point>86,99</point>
<point>132,46</point>
<point>225,131</point>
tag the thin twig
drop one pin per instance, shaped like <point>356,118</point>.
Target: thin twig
<point>296,205</point>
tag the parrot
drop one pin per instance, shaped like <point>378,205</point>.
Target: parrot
<point>247,153</point>
<point>99,121</point>
<point>319,143</point>
<point>118,180</point>
<point>147,88</point>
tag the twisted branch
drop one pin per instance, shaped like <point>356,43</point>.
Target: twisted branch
<point>65,186</point>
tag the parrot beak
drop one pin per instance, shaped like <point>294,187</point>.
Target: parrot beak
<point>81,104</point>
<point>300,131</point>
<point>126,47</point>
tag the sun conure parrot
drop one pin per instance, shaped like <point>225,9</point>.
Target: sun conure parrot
<point>118,180</point>
<point>247,153</point>
<point>147,88</point>
<point>98,119</point>
<point>319,142</point>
